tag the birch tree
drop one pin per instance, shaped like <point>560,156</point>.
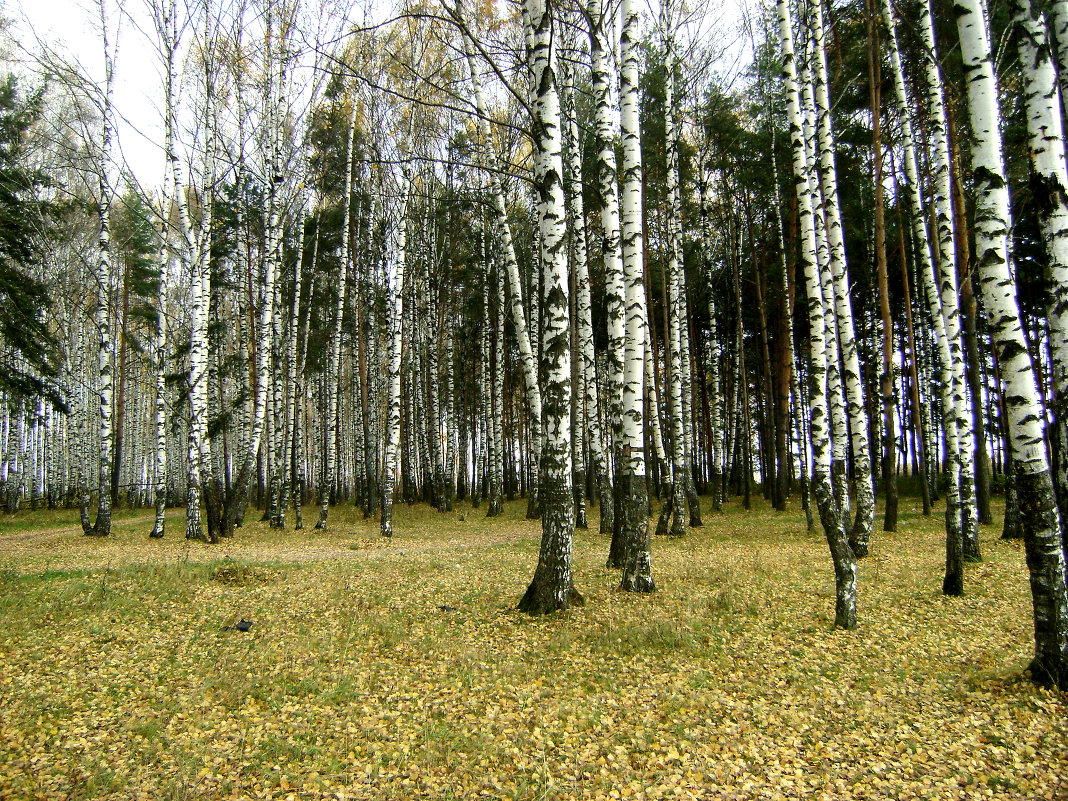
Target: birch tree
<point>962,519</point>
<point>845,567</point>
<point>552,587</point>
<point>102,276</point>
<point>395,315</point>
<point>633,493</point>
<point>851,377</point>
<point>1031,471</point>
<point>676,503</point>
<point>1049,186</point>
<point>605,131</point>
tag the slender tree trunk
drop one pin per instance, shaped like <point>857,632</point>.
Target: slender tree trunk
<point>103,278</point>
<point>886,385</point>
<point>845,565</point>
<point>395,308</point>
<point>166,27</point>
<point>675,307</point>
<point>633,495</point>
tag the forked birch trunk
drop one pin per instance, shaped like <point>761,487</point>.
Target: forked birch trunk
<point>863,521</point>
<point>845,565</point>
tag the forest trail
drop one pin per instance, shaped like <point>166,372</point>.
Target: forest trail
<point>49,533</point>
<point>66,548</point>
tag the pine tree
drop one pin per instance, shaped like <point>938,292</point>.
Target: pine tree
<point>29,350</point>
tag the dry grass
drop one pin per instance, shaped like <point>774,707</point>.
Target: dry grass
<point>117,678</point>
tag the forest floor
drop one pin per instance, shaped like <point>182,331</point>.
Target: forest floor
<point>401,670</point>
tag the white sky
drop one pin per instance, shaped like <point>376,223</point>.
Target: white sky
<point>73,28</point>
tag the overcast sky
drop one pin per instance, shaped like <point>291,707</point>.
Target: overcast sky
<point>73,27</point>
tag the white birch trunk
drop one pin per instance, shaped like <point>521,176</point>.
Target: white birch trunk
<point>1049,188</point>
<point>497,483</point>
<point>103,280</point>
<point>676,503</point>
<point>633,493</point>
<point>836,400</point>
<point>552,587</point>
<point>851,375</point>
<point>1058,25</point>
<point>608,179</point>
<point>395,306</point>
<point>845,566</point>
<point>943,303</point>
<point>1034,485</point>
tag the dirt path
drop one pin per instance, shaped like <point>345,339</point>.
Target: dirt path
<point>59,532</point>
<point>66,548</point>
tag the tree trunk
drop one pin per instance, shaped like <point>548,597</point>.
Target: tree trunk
<point>1034,481</point>
<point>860,534</point>
<point>845,566</point>
<point>637,563</point>
<point>552,587</point>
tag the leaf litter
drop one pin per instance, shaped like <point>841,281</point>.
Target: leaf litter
<point>118,680</point>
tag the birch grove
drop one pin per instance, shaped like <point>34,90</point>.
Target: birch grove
<point>573,263</point>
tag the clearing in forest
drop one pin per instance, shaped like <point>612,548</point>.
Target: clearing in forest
<point>401,669</point>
